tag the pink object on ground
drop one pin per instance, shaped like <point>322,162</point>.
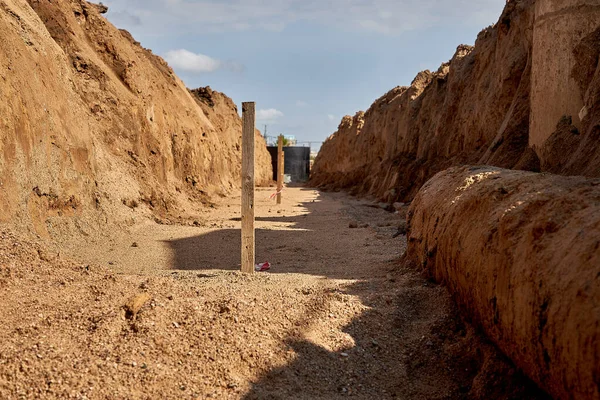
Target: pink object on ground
<point>262,267</point>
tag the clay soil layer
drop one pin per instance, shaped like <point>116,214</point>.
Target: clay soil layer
<point>160,311</point>
<point>521,254</point>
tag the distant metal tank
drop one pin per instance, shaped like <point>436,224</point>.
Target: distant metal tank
<point>297,162</point>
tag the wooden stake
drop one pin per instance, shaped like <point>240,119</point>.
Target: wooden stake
<point>279,168</point>
<point>248,238</point>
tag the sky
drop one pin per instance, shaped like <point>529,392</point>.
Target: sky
<point>306,63</point>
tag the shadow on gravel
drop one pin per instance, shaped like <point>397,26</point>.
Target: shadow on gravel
<point>410,343</point>
<point>220,250</point>
<point>290,246</point>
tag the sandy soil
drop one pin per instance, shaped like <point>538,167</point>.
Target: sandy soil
<point>303,235</point>
<point>337,316</point>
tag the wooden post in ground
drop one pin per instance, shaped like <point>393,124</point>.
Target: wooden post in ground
<point>279,168</point>
<point>248,243</point>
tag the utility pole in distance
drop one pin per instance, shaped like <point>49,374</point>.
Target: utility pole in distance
<point>248,235</point>
<point>279,168</point>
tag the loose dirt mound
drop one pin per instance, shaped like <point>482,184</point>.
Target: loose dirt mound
<point>477,109</point>
<point>521,254</point>
<point>97,129</point>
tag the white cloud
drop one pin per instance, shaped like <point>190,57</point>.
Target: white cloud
<point>191,62</point>
<point>270,114</point>
<point>331,117</point>
<point>301,103</point>
<point>188,61</point>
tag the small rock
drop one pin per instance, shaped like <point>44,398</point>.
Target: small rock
<point>384,206</point>
<point>102,9</point>
<point>353,225</point>
<point>401,230</point>
<point>344,355</point>
<point>175,324</point>
<point>135,304</point>
<point>224,309</point>
<point>134,244</point>
<point>44,255</point>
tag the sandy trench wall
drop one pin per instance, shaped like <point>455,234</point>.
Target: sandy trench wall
<point>559,27</point>
<point>96,128</point>
<point>480,109</point>
<point>223,113</point>
<point>520,252</point>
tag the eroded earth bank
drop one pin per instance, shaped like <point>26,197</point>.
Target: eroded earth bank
<point>518,251</point>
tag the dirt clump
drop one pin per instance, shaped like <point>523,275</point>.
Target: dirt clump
<point>526,272</point>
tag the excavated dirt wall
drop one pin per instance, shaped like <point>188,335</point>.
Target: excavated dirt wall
<point>94,128</point>
<point>571,21</point>
<point>521,254</point>
<point>477,109</point>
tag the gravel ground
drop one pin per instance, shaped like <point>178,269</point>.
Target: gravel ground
<point>339,314</point>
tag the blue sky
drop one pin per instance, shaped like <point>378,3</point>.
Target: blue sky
<point>306,63</point>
